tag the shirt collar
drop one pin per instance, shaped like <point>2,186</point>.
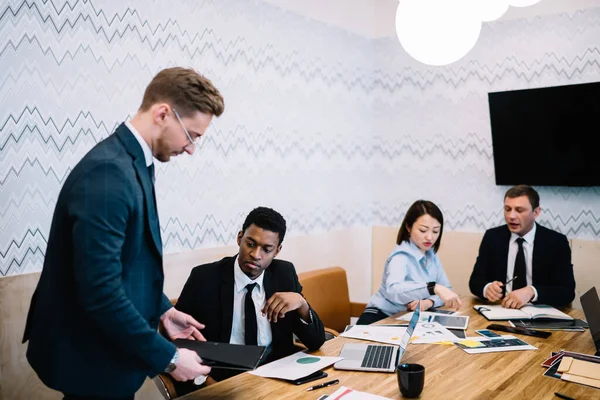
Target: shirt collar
<point>529,237</point>
<point>241,279</point>
<point>412,249</point>
<point>142,142</point>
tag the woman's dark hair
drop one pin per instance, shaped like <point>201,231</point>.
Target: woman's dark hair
<point>419,208</point>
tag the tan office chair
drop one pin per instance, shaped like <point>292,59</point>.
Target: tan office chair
<point>327,293</point>
<point>164,382</point>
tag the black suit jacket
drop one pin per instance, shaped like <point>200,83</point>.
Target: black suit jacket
<point>552,271</point>
<point>92,323</point>
<point>208,297</point>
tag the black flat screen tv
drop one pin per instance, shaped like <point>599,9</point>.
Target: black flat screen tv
<point>547,136</point>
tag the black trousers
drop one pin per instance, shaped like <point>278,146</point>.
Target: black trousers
<point>370,315</point>
<point>76,397</point>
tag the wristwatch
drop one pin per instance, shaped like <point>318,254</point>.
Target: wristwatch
<point>430,287</point>
<point>173,364</point>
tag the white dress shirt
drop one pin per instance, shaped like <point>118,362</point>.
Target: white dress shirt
<point>142,142</point>
<point>265,336</point>
<point>513,249</point>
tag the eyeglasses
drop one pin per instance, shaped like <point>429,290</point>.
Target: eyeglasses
<point>192,142</point>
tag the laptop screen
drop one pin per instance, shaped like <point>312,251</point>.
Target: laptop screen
<point>409,331</point>
<point>591,308</point>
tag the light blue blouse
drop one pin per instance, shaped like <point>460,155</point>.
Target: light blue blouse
<point>407,271</point>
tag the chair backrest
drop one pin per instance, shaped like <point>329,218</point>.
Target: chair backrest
<point>326,290</point>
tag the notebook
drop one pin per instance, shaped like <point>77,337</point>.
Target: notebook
<point>499,313</point>
<point>225,355</point>
<point>376,358</point>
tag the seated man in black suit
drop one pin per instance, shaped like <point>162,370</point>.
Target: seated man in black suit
<point>538,258</point>
<point>216,294</point>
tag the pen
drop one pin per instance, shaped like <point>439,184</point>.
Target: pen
<point>322,385</point>
<point>506,283</point>
<point>562,396</point>
<point>510,280</point>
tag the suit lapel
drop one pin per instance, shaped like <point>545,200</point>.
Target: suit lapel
<point>227,284</point>
<point>503,246</point>
<point>139,163</point>
<point>537,251</point>
<point>269,282</point>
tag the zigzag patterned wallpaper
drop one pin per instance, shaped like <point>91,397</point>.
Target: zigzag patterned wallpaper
<point>332,129</point>
<point>432,130</point>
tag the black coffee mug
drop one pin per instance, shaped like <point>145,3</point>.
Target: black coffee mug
<point>411,379</point>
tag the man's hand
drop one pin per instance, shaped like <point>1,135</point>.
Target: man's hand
<point>494,291</point>
<point>189,366</point>
<point>425,305</point>
<point>518,298</point>
<point>450,298</point>
<point>180,325</point>
<point>282,302</point>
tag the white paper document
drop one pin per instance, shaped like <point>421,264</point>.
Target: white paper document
<point>432,332</point>
<point>425,332</point>
<point>376,333</point>
<point>295,366</point>
<point>345,393</point>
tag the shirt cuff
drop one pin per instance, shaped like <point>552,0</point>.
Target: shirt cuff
<point>310,317</point>
<point>535,294</point>
<point>485,288</point>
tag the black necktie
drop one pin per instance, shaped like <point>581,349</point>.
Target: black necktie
<point>520,270</point>
<point>250,327</point>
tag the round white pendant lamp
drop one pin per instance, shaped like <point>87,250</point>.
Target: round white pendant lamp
<point>491,10</point>
<point>437,32</point>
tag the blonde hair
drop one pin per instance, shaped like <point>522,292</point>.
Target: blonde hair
<point>185,90</point>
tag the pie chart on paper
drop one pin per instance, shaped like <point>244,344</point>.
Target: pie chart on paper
<point>308,360</point>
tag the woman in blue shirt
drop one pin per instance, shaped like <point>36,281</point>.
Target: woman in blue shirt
<point>413,270</point>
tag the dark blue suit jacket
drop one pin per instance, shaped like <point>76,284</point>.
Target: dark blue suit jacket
<point>208,297</point>
<point>552,271</point>
<point>92,323</point>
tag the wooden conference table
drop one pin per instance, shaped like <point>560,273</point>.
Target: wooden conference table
<point>450,373</point>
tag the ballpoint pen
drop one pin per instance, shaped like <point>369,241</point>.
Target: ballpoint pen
<point>562,396</point>
<point>510,280</point>
<point>507,282</point>
<point>322,385</point>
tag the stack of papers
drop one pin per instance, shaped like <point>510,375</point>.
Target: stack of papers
<point>574,367</point>
<point>580,371</point>
<point>424,333</point>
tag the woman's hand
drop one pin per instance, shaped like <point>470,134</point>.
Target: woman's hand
<point>450,298</point>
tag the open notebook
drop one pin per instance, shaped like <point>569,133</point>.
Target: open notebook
<point>499,313</point>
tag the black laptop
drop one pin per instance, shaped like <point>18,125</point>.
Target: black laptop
<point>591,308</point>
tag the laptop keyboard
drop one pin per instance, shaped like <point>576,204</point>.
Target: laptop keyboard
<point>377,357</point>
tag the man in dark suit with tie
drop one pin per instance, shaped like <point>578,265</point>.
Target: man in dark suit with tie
<point>522,261</point>
<point>251,298</point>
<point>92,324</point>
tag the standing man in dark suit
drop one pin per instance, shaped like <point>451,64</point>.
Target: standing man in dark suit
<point>251,298</point>
<point>93,319</point>
<point>539,259</point>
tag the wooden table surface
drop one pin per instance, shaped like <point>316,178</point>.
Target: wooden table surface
<point>450,373</point>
